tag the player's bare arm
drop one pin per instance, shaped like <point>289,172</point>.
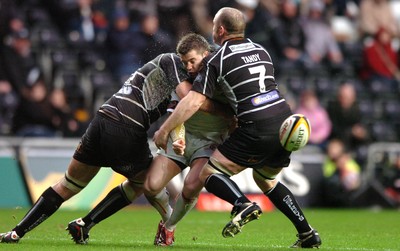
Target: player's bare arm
<point>209,105</point>
<point>190,104</point>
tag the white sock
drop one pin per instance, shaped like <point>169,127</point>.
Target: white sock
<point>181,208</point>
<point>161,203</point>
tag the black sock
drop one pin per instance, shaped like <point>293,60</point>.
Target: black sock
<point>112,203</point>
<point>225,188</point>
<point>43,208</point>
<point>285,201</point>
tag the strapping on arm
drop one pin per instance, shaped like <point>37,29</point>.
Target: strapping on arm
<point>178,133</point>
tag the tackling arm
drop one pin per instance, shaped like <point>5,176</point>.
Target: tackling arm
<point>183,111</point>
<point>209,105</point>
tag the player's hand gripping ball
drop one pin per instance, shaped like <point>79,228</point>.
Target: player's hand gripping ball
<point>295,132</point>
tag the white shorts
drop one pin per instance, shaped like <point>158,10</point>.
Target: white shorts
<point>197,146</point>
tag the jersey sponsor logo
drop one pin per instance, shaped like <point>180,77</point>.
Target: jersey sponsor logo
<point>241,47</point>
<point>198,78</point>
<point>265,98</point>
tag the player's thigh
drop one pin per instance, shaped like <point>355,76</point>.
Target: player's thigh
<point>161,171</point>
<point>82,172</point>
<point>76,178</point>
<point>218,163</point>
<point>229,166</point>
<point>137,180</point>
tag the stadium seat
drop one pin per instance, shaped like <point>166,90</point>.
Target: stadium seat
<point>295,84</point>
<point>70,82</point>
<point>324,87</point>
<point>391,109</point>
<point>380,88</point>
<point>48,35</point>
<point>366,109</point>
<point>102,80</point>
<point>64,57</point>
<point>383,132</point>
<point>91,59</point>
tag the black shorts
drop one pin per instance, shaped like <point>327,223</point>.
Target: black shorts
<point>109,143</point>
<point>257,144</point>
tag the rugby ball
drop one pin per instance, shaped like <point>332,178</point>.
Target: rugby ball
<point>294,132</point>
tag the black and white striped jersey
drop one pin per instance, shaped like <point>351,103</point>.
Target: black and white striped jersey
<point>244,72</point>
<point>145,95</point>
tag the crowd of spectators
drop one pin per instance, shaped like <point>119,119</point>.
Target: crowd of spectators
<point>344,55</point>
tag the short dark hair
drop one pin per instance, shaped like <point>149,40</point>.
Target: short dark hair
<point>192,41</point>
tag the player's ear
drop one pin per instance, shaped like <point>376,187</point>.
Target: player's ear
<point>221,30</point>
<point>205,54</point>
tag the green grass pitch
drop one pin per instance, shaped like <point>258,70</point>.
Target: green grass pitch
<point>134,229</point>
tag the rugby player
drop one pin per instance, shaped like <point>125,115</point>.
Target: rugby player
<point>244,71</point>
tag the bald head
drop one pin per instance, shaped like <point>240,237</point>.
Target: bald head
<point>232,22</point>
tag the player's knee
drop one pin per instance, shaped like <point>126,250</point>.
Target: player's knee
<point>205,172</point>
<point>151,187</point>
<point>264,180</point>
<point>213,166</point>
<point>131,189</point>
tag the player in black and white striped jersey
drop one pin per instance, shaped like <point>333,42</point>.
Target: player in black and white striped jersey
<point>244,71</point>
<point>116,138</point>
<point>203,132</point>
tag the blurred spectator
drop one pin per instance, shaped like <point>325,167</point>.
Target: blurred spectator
<point>347,8</point>
<point>380,61</point>
<point>150,40</point>
<point>259,15</point>
<point>321,46</point>
<point>202,18</point>
<point>321,125</point>
<point>39,114</point>
<point>17,58</point>
<point>288,38</point>
<point>342,175</point>
<point>10,19</point>
<point>86,25</point>
<point>258,22</point>
<point>176,18</point>
<point>203,11</point>
<point>122,52</point>
<point>8,104</point>
<point>273,6</point>
<point>69,122</point>
<point>345,115</point>
<point>376,14</point>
